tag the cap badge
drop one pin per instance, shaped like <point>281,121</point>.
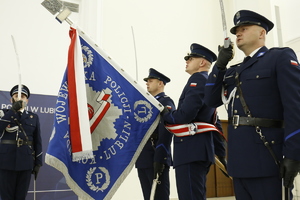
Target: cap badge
<point>238,15</point>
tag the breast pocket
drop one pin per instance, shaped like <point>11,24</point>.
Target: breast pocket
<point>260,81</point>
<point>30,125</point>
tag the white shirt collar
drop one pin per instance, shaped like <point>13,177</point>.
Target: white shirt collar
<point>254,52</point>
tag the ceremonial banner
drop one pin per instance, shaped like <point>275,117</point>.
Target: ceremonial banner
<point>121,116</point>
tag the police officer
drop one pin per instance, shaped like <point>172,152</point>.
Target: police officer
<point>263,96</point>
<point>20,146</point>
<point>155,157</point>
<point>194,150</point>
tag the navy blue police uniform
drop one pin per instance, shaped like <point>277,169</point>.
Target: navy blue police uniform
<point>269,84</point>
<point>20,150</point>
<point>194,154</point>
<point>157,149</point>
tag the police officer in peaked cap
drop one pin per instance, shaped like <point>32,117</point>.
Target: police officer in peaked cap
<point>263,100</point>
<point>154,74</point>
<point>194,152</point>
<point>20,146</point>
<point>199,51</point>
<point>24,90</point>
<point>155,159</point>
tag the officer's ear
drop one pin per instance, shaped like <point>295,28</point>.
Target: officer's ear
<point>202,62</point>
<point>262,33</point>
<point>159,82</point>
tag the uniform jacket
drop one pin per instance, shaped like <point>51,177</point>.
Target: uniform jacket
<point>160,150</point>
<point>191,108</point>
<point>270,83</point>
<point>25,156</point>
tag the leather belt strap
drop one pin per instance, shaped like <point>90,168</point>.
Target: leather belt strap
<point>243,102</point>
<point>18,142</point>
<point>236,120</point>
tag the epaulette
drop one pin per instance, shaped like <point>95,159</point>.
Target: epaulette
<point>236,65</point>
<point>278,48</point>
<point>30,112</point>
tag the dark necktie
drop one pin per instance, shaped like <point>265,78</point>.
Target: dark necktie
<point>246,59</point>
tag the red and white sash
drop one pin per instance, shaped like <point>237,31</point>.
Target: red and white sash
<point>181,130</point>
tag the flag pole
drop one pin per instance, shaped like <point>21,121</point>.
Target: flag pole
<point>136,65</point>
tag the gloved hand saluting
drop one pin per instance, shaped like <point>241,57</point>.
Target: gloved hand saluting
<point>35,171</point>
<point>289,169</point>
<point>225,55</point>
<point>158,169</point>
<point>17,105</point>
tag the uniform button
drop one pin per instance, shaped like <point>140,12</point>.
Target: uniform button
<point>237,96</point>
<point>273,142</point>
<point>257,76</point>
<point>181,140</point>
<point>241,83</point>
<point>235,111</point>
<point>165,158</point>
<point>215,75</point>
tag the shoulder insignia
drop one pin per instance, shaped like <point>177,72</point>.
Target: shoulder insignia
<point>261,54</point>
<point>294,62</point>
